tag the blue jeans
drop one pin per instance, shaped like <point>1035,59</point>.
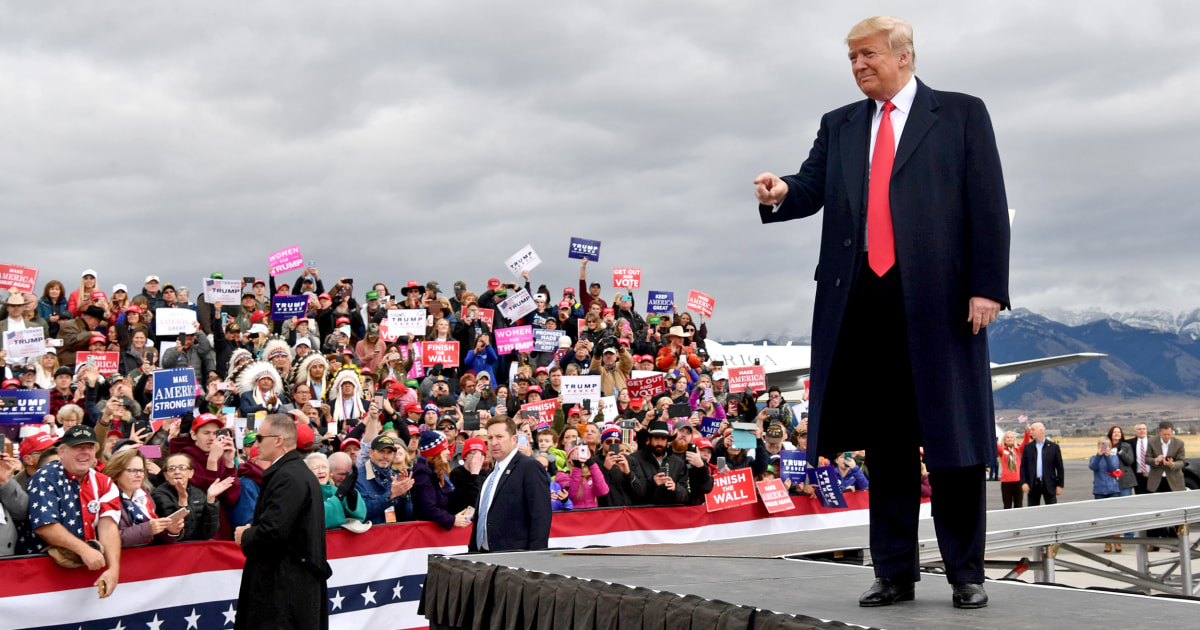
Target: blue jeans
<point>1125,492</point>
<point>1105,496</point>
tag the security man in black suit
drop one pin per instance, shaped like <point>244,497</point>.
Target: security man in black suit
<point>513,510</point>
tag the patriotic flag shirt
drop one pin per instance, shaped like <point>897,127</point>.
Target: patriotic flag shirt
<point>76,503</point>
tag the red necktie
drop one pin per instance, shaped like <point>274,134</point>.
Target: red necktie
<point>881,246</point>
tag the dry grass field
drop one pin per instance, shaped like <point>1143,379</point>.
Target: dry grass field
<point>1085,447</point>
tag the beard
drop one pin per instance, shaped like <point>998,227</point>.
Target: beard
<point>659,449</point>
<point>679,445</point>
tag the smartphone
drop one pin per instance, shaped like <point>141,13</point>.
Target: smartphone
<point>312,264</point>
<point>721,464</point>
<point>708,395</point>
<point>5,447</point>
<point>665,469</point>
<point>91,361</point>
<point>522,440</point>
<point>718,364</point>
<point>848,455</point>
<point>180,514</point>
<point>224,319</point>
<point>584,452</point>
<point>222,432</point>
<point>692,448</point>
<point>54,343</point>
<point>248,279</point>
<point>679,410</point>
<point>587,404</point>
<point>772,412</point>
<point>350,281</point>
<point>614,448</point>
<point>150,451</point>
<point>379,402</point>
<point>470,420</point>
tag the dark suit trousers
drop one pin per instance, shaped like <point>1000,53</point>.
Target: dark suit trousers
<point>1039,493</point>
<point>871,386</point>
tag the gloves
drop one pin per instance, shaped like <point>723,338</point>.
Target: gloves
<point>347,485</point>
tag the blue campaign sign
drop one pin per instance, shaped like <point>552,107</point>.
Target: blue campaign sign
<point>795,466</point>
<point>582,248</point>
<point>660,301</point>
<point>24,406</point>
<point>546,340</point>
<point>174,393</point>
<point>709,426</point>
<point>288,306</point>
<point>829,486</point>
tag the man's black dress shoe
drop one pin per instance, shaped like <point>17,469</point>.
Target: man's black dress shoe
<point>885,592</point>
<point>969,596</point>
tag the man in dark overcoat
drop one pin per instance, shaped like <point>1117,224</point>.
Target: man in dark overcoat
<point>913,266</point>
<point>285,577</point>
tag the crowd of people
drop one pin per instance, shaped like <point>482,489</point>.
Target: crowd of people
<point>385,442</point>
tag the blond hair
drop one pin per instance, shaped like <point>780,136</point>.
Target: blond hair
<point>898,31</point>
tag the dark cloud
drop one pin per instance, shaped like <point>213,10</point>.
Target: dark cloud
<point>399,141</point>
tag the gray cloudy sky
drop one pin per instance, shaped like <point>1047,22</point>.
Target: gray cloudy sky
<point>431,140</point>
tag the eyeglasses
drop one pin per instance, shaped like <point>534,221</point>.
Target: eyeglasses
<point>136,471</point>
<point>178,468</point>
<point>611,442</point>
<point>260,437</point>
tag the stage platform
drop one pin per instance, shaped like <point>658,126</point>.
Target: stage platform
<point>773,582</point>
<point>554,590</point>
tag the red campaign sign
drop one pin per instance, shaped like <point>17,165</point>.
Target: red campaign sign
<point>545,409</point>
<point>627,277</point>
<point>754,377</point>
<point>774,496</point>
<point>17,278</point>
<point>107,362</point>
<point>486,315</point>
<point>647,387</point>
<point>582,326</point>
<point>731,490</point>
<point>701,303</point>
<point>444,352</point>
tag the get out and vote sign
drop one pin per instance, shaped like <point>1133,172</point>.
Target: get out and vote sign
<point>627,277</point>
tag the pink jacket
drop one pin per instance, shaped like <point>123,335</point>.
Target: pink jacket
<point>583,494</point>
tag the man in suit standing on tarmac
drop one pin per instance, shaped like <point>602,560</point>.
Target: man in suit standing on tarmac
<point>1041,468</point>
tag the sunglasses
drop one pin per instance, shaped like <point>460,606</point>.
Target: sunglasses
<point>260,437</point>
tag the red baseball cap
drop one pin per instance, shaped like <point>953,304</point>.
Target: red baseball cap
<point>636,401</point>
<point>541,370</point>
<point>533,388</point>
<point>304,436</point>
<point>37,443</point>
<point>568,290</point>
<point>413,407</point>
<point>702,442</point>
<point>623,341</point>
<point>325,296</point>
<point>493,283</point>
<point>341,320</point>
<point>474,445</point>
<point>348,442</point>
<point>10,381</point>
<point>564,304</point>
<point>97,338</point>
<point>396,390</point>
<point>607,311</point>
<point>206,418</point>
<point>133,308</point>
<point>259,281</point>
<point>257,316</point>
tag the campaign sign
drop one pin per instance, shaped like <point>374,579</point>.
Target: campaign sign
<point>643,373</point>
<point>174,393</point>
<point>545,340</point>
<point>608,406</point>
<point>829,486</point>
<point>444,352</point>
<point>709,427</point>
<point>172,321</point>
<point>522,261</point>
<point>754,377</point>
<point>108,363</point>
<point>627,277</point>
<point>519,338</point>
<point>660,301</point>
<point>576,389</point>
<point>647,387</point>
<point>731,490</point>
<point>793,466</point>
<point>17,278</point>
<point>24,406</point>
<point>418,366</point>
<point>774,496</point>
<point>485,315</point>
<point>288,306</point>
<point>285,260</point>
<point>25,344</point>
<point>544,409</point>
<point>223,291</point>
<point>406,321</point>
<point>517,305</point>
<point>584,249</point>
<point>701,303</point>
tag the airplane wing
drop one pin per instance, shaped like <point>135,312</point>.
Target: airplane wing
<point>788,380</point>
<point>1033,365</point>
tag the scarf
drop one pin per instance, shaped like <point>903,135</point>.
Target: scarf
<point>138,507</point>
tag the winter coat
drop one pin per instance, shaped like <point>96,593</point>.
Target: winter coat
<point>203,520</point>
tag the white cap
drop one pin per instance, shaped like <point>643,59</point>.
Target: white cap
<point>719,375</point>
<point>304,341</point>
<point>150,279</point>
<point>120,287</point>
<point>89,272</point>
<point>260,329</point>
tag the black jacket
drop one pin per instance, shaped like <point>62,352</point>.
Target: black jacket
<point>642,469</point>
<point>203,520</point>
<point>284,580</point>
<point>1052,465</point>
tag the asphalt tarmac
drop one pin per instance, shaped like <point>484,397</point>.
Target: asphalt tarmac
<point>1078,486</point>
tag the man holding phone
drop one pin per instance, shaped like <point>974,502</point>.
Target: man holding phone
<point>658,477</point>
